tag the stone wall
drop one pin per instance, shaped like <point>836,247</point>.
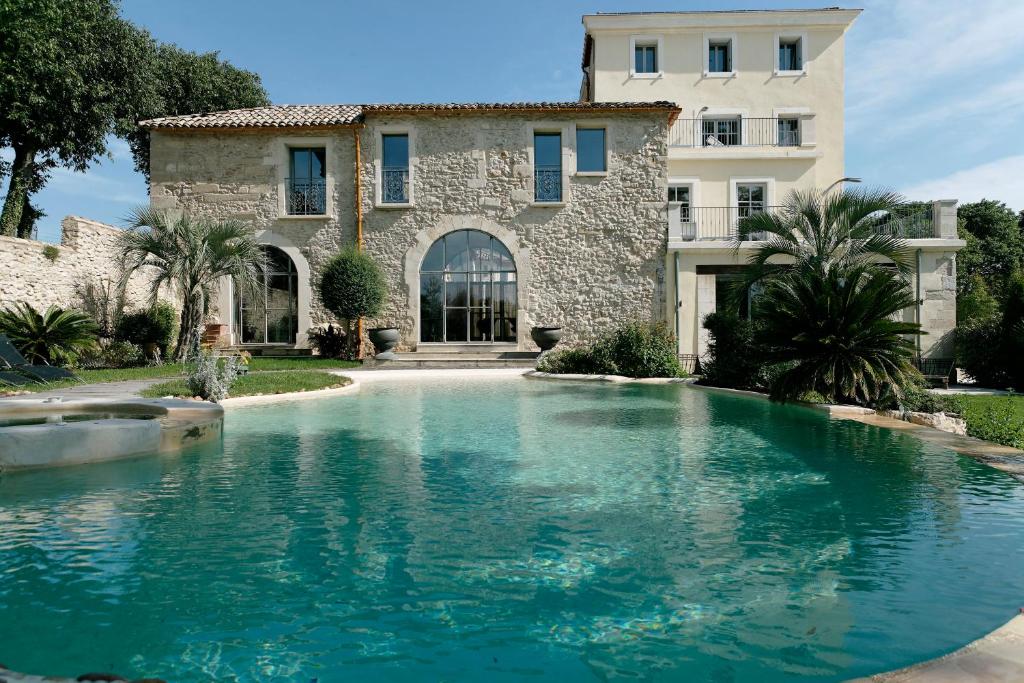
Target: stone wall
<point>86,254</point>
<point>587,265</point>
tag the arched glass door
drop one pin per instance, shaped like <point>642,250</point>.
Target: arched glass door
<point>468,290</point>
<point>273,317</point>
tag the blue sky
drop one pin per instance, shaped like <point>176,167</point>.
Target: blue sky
<point>934,91</point>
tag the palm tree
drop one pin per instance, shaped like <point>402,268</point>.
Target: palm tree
<point>189,255</point>
<point>831,287</point>
<point>56,336</point>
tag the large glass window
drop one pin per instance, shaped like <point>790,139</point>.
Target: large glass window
<point>547,162</point>
<point>307,178</point>
<point>270,315</point>
<point>468,290</point>
<point>395,172</point>
<point>720,56</point>
<point>750,198</point>
<point>590,150</point>
<point>645,59</point>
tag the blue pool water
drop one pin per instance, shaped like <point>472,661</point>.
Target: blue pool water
<point>512,530</point>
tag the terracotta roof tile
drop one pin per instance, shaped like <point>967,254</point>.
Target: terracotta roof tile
<point>303,115</point>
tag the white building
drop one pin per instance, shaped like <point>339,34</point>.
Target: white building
<point>761,94</point>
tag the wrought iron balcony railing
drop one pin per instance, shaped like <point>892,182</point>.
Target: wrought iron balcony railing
<point>547,184</point>
<point>394,186</point>
<point>307,197</point>
<point>735,132</point>
<point>691,223</point>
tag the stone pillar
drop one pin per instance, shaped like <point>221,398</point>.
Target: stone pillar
<point>938,305</point>
<point>944,218</point>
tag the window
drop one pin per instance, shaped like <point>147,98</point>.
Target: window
<point>307,181</point>
<point>750,198</point>
<point>468,290</point>
<point>547,167</point>
<point>719,56</point>
<point>645,59</point>
<point>269,315</point>
<point>680,194</point>
<point>590,150</point>
<point>789,132</point>
<point>790,54</point>
<point>394,176</point>
<point>719,132</point>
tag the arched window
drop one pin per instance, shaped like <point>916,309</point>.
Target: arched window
<point>273,317</point>
<point>468,290</point>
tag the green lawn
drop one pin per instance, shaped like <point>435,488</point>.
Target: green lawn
<point>994,418</point>
<point>171,370</point>
<point>259,383</point>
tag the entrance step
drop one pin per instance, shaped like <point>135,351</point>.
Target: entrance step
<point>421,359</point>
<point>268,351</point>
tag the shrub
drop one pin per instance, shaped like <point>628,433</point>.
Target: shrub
<point>328,341</point>
<point>733,360</point>
<point>157,325</point>
<point>51,253</point>
<point>634,350</point>
<point>115,354</point>
<point>995,421</point>
<point>209,379</point>
<point>352,287</point>
<point>56,336</point>
<point>103,299</point>
<point>580,360</point>
<point>644,350</point>
<point>979,351</point>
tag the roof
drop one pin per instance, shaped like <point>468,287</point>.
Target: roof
<point>690,19</point>
<point>325,115</point>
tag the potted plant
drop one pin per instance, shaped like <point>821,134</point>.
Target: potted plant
<point>545,337</point>
<point>384,340</point>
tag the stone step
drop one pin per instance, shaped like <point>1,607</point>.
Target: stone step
<point>268,351</point>
<point>406,361</point>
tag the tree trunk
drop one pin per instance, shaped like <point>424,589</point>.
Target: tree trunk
<point>191,317</point>
<point>17,190</point>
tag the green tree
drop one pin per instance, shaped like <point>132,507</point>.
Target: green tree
<point>190,256</point>
<point>352,287</point>
<point>827,303</point>
<point>1012,330</point>
<point>183,82</point>
<point>976,303</point>
<point>995,247</point>
<point>55,336</point>
<point>75,72</point>
<point>70,69</point>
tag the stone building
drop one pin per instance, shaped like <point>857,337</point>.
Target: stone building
<point>487,219</point>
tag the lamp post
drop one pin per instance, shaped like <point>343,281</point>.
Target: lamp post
<point>841,180</point>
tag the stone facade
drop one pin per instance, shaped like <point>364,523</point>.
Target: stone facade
<point>87,253</point>
<point>587,264</point>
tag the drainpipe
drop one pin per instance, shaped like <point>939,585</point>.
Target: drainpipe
<point>678,300</point>
<point>359,224</point>
<point>917,299</point>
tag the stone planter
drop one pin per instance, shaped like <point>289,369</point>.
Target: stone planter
<point>384,340</point>
<point>545,337</point>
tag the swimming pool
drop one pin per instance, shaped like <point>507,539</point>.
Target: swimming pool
<point>507,530</point>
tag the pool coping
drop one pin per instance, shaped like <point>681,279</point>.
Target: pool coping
<point>266,399</point>
<point>178,424</point>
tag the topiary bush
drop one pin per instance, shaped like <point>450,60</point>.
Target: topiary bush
<point>633,350</point>
<point>352,287</point>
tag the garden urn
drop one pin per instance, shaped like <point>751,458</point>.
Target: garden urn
<point>545,337</point>
<point>384,340</point>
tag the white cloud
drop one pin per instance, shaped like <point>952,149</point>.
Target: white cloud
<point>999,179</point>
<point>940,49</point>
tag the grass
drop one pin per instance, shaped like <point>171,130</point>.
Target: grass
<point>999,419</point>
<point>283,382</point>
<point>172,370</point>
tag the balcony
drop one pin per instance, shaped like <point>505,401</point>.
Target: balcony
<point>547,184</point>
<point>306,196</point>
<point>737,138</point>
<point>394,187</point>
<point>722,223</point>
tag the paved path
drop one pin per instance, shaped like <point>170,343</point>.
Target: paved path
<point>103,390</point>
